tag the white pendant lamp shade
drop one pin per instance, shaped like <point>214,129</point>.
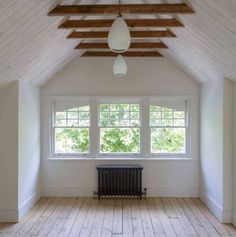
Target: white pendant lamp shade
<point>119,66</point>
<point>119,36</point>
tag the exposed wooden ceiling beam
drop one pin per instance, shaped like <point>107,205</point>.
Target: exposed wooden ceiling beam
<point>143,45</point>
<point>126,54</point>
<point>134,34</point>
<point>164,8</point>
<point>73,24</point>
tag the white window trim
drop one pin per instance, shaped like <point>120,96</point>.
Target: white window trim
<point>94,140</point>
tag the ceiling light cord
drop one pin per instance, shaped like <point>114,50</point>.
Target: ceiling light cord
<point>119,14</point>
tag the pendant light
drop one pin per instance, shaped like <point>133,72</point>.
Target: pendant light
<point>119,36</point>
<point>119,66</point>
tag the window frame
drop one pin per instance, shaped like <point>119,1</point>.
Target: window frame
<point>94,129</point>
<point>53,128</point>
<point>119,101</point>
<point>187,130</point>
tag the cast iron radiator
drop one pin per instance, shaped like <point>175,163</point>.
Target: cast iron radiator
<point>119,181</point>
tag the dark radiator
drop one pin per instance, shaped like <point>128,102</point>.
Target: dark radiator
<point>119,181</point>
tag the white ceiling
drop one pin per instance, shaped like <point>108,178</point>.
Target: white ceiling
<point>33,49</point>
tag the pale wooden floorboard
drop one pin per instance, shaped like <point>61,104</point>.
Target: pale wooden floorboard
<point>112,217</point>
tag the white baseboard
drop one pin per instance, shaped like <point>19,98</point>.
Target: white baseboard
<point>27,205</point>
<point>151,192</point>
<point>173,192</point>
<point>8,215</point>
<point>223,215</point>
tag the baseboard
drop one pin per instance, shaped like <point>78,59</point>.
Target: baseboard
<point>67,192</point>
<point>8,215</point>
<point>27,205</point>
<point>223,215</point>
<point>173,192</point>
<point>151,192</point>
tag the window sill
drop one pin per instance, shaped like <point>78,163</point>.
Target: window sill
<point>120,159</point>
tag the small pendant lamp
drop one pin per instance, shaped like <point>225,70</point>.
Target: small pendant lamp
<point>119,66</point>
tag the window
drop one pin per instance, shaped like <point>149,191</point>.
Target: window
<point>100,127</point>
<point>168,127</point>
<point>71,127</point>
<point>119,128</point>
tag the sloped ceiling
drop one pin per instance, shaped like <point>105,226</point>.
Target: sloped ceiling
<point>33,49</point>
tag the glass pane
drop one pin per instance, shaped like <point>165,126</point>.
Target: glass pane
<point>84,123</point>
<point>84,108</point>
<point>84,115</point>
<point>179,122</point>
<point>73,110</point>
<point>104,108</point>
<point>119,115</point>
<point>60,115</point>
<point>114,107</point>
<point>61,122</point>
<point>134,115</point>
<point>72,123</point>
<point>168,140</point>
<point>179,114</point>
<point>167,122</point>
<point>135,107</point>
<point>124,107</point>
<point>155,108</point>
<point>155,122</point>
<point>124,115</point>
<point>71,140</point>
<point>119,140</point>
<point>73,115</point>
<point>167,113</point>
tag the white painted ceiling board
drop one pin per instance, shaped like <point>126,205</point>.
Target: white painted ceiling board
<point>33,49</point>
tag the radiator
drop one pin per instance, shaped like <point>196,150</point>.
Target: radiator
<point>119,181</point>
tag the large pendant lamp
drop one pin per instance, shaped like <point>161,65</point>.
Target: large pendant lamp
<point>119,36</point>
<point>119,66</point>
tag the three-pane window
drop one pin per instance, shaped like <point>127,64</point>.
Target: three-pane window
<point>116,128</point>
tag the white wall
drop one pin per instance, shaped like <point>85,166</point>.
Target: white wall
<point>8,151</point>
<point>29,147</point>
<point>19,150</point>
<point>83,77</point>
<point>216,147</point>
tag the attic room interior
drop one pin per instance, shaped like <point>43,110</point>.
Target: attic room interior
<point>117,118</point>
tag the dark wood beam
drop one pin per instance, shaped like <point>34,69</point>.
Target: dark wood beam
<point>74,24</point>
<point>126,54</point>
<point>164,8</point>
<point>141,45</point>
<point>134,34</point>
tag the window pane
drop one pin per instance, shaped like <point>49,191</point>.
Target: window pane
<point>167,113</point>
<point>119,115</point>
<point>73,117</point>
<point>164,116</point>
<point>168,140</point>
<point>119,140</point>
<point>71,140</point>
<point>61,122</point>
<point>72,123</point>
<point>60,115</point>
<point>73,114</point>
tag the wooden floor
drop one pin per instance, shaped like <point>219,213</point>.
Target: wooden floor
<point>118,217</point>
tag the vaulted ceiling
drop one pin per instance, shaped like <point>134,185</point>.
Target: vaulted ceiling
<point>33,49</point>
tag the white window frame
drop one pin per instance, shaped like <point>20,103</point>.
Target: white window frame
<point>187,132</point>
<point>53,129</point>
<point>119,101</point>
<point>94,130</point>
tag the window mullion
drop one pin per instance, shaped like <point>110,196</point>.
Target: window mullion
<point>145,134</point>
<point>93,132</point>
